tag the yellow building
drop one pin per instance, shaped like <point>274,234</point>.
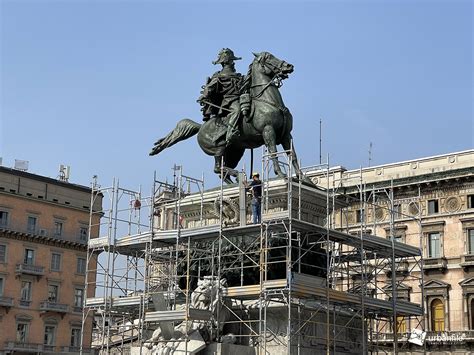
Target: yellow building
<point>43,243</point>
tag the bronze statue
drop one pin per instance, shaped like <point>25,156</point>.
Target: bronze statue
<point>268,122</point>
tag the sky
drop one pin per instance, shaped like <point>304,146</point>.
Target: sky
<point>92,84</point>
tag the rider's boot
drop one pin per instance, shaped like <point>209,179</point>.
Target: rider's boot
<point>232,130</point>
<point>231,135</point>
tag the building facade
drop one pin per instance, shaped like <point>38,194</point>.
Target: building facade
<point>44,228</point>
<point>427,203</point>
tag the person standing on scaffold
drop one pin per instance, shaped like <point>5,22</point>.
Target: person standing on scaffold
<point>255,188</point>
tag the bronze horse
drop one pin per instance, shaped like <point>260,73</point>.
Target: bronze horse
<point>269,122</point>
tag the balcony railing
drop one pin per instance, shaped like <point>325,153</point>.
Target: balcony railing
<point>467,260</point>
<point>29,269</point>
<point>75,349</point>
<point>6,301</point>
<point>53,307</point>
<point>435,264</point>
<point>388,337</point>
<point>21,346</point>
<point>25,303</point>
<point>50,348</point>
<point>71,348</point>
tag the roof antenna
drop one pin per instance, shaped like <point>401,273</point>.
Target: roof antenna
<point>370,153</point>
<point>320,141</point>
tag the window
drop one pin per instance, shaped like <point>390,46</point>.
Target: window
<point>401,325</point>
<point>433,206</point>
<point>360,215</point>
<point>49,335</point>
<point>53,292</point>
<point>78,297</point>
<point>397,211</point>
<point>3,253</point>
<point>21,332</point>
<point>81,266</point>
<point>398,238</point>
<point>75,337</point>
<point>470,201</point>
<point>55,262</point>
<point>25,291</point>
<point>434,245</point>
<point>3,218</point>
<point>29,257</point>
<point>83,234</point>
<point>470,237</point>
<point>31,226</point>
<point>1,286</point>
<point>437,315</point>
<point>58,229</point>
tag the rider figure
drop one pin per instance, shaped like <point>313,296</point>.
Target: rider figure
<point>220,94</point>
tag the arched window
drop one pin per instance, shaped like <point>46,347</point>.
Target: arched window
<point>437,315</point>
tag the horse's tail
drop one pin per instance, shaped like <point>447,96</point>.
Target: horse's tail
<point>185,129</point>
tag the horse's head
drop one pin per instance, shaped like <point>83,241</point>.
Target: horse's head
<point>272,66</point>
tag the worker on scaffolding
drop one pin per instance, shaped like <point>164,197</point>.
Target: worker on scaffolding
<point>255,188</point>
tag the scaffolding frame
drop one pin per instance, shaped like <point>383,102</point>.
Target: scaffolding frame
<point>384,334</point>
<point>320,310</point>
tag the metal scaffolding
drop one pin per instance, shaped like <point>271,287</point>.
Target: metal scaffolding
<point>300,280</point>
<point>378,273</point>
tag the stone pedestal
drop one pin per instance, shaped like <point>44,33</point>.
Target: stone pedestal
<point>308,203</point>
<point>311,338</point>
<point>228,349</point>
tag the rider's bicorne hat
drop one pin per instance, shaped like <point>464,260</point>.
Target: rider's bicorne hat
<point>226,55</point>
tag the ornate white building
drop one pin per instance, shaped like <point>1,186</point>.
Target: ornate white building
<point>429,203</point>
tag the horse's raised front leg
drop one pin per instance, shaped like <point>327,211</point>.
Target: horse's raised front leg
<point>270,142</point>
<point>286,143</point>
<point>288,146</point>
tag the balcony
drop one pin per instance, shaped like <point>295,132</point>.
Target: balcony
<point>440,264</point>
<point>467,261</point>
<point>49,348</point>
<point>401,268</point>
<point>389,337</point>
<point>71,349</point>
<point>24,303</point>
<point>23,347</point>
<point>6,301</point>
<point>76,349</point>
<point>48,306</point>
<point>29,269</point>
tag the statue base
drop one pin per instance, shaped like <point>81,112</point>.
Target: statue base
<point>228,349</point>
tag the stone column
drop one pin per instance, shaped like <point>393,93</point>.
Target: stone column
<point>465,316</point>
<point>446,313</point>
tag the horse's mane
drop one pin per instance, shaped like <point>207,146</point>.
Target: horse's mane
<point>247,80</point>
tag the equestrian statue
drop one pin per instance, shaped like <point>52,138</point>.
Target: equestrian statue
<point>239,113</point>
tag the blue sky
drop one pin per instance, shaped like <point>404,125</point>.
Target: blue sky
<point>93,84</point>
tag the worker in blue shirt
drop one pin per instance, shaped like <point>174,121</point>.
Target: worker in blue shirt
<point>255,188</point>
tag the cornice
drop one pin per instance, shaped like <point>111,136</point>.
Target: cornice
<point>59,243</point>
<point>467,173</point>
